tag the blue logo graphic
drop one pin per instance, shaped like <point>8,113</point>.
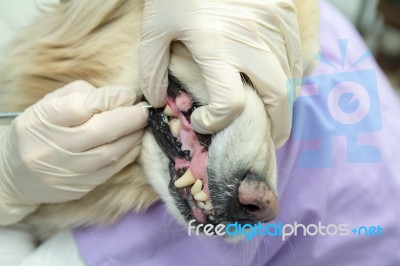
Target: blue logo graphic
<point>344,103</point>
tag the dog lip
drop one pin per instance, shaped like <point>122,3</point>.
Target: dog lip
<point>172,148</point>
<point>185,149</point>
<point>168,143</point>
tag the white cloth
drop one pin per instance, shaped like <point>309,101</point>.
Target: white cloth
<point>18,247</point>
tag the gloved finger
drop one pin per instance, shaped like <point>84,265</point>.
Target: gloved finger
<point>108,171</point>
<point>75,86</point>
<point>153,64</point>
<point>109,97</point>
<point>78,184</point>
<point>271,84</point>
<point>106,127</point>
<point>154,55</point>
<point>103,155</point>
<point>76,108</point>
<point>224,87</point>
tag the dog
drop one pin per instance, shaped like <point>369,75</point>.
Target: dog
<point>97,41</point>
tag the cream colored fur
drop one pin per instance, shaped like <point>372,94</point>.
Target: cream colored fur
<point>97,41</point>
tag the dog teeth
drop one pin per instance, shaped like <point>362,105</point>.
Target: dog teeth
<point>201,196</point>
<point>201,204</point>
<point>186,180</point>
<point>175,125</point>
<point>208,206</point>
<point>168,111</point>
<point>165,119</point>
<point>196,188</point>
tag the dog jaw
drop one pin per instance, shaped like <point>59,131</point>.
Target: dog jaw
<point>245,146</point>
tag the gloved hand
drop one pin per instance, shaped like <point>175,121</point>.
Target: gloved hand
<point>258,38</point>
<point>65,145</point>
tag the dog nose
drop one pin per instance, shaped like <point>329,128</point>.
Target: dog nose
<point>256,201</point>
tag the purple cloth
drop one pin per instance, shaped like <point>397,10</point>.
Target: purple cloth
<point>341,165</point>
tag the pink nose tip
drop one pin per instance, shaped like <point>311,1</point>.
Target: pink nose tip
<point>256,201</point>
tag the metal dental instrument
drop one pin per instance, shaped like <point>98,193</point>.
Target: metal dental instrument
<point>11,115</point>
<point>5,115</point>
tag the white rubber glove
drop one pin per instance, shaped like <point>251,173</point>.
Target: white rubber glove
<point>225,37</point>
<point>65,145</point>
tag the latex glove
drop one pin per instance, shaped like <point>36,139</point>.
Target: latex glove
<point>67,144</point>
<point>258,38</point>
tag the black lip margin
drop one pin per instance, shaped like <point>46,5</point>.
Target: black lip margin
<point>157,121</point>
<point>171,146</point>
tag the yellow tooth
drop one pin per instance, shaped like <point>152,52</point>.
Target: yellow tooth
<point>168,111</point>
<point>186,180</point>
<point>201,204</point>
<point>196,188</point>
<point>175,125</point>
<point>165,119</point>
<point>201,196</point>
<point>208,211</point>
<point>208,206</point>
